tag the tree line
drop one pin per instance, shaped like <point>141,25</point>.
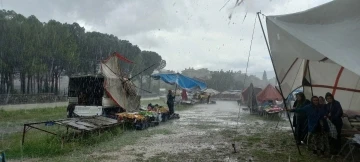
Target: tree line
<point>38,53</point>
<point>227,80</point>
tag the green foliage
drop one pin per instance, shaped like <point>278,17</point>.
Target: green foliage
<point>44,51</point>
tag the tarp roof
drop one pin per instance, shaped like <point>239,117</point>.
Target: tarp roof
<point>319,49</point>
<point>269,93</point>
<point>181,80</point>
<point>118,88</point>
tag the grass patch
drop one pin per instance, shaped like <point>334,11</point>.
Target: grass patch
<point>48,147</point>
<point>32,114</point>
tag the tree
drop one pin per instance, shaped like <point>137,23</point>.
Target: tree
<point>264,77</point>
<point>40,52</point>
<point>150,61</point>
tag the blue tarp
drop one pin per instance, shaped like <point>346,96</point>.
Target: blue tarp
<point>291,96</point>
<point>181,80</point>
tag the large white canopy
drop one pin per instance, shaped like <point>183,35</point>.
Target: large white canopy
<point>320,50</point>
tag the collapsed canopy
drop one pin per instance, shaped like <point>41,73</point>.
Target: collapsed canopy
<point>181,80</point>
<point>319,49</point>
<point>118,88</point>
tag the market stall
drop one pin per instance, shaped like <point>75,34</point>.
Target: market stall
<point>248,98</point>
<point>267,99</point>
<point>181,81</point>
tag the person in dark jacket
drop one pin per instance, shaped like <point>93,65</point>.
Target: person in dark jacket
<point>170,102</point>
<point>300,118</point>
<point>317,126</point>
<point>335,112</point>
<point>322,100</point>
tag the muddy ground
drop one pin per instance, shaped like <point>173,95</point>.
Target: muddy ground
<point>204,133</point>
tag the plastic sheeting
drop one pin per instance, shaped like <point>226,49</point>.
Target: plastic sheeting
<point>117,88</point>
<point>319,49</point>
<point>181,80</point>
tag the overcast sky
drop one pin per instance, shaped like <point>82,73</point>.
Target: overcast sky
<point>186,33</point>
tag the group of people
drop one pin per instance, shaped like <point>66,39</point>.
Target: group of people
<point>311,123</point>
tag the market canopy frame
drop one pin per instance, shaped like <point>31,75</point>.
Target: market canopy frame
<point>319,50</point>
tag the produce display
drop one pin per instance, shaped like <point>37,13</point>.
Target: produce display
<point>147,113</point>
<point>126,115</point>
<point>274,109</point>
<point>147,118</point>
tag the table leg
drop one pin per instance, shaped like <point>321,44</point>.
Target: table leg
<point>347,143</point>
<point>350,152</point>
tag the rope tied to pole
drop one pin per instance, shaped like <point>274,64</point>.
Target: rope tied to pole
<point>277,78</point>
<point>246,69</point>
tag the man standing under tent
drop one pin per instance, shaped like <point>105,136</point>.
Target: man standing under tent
<point>170,102</point>
<point>335,113</point>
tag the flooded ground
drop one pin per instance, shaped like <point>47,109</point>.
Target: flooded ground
<point>204,133</point>
<point>207,132</point>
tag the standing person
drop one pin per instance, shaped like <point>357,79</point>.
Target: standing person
<point>335,113</point>
<point>322,100</point>
<point>300,118</point>
<point>208,99</point>
<point>170,102</point>
<point>317,127</point>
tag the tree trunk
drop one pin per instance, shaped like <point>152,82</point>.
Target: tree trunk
<point>56,78</point>
<point>11,83</point>
<point>141,84</point>
<point>46,84</point>
<point>149,82</point>
<point>28,84</point>
<point>2,83</point>
<point>52,82</point>
<point>38,82</point>
<point>22,82</point>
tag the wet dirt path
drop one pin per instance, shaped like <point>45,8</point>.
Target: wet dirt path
<point>204,133</point>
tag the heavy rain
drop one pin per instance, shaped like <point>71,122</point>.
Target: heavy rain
<point>166,80</point>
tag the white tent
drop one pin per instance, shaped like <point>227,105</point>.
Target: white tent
<point>320,50</point>
<point>118,89</point>
<point>212,91</point>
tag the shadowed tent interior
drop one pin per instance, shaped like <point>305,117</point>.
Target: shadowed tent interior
<point>91,86</point>
<point>319,49</point>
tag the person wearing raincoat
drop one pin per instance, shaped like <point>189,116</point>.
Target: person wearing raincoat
<point>170,102</point>
<point>300,118</point>
<point>317,126</point>
<point>335,112</point>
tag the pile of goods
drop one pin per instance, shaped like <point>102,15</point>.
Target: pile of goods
<point>130,116</point>
<point>274,109</point>
<point>143,119</point>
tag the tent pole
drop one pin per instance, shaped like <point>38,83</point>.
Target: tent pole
<point>277,78</point>
<point>308,69</point>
